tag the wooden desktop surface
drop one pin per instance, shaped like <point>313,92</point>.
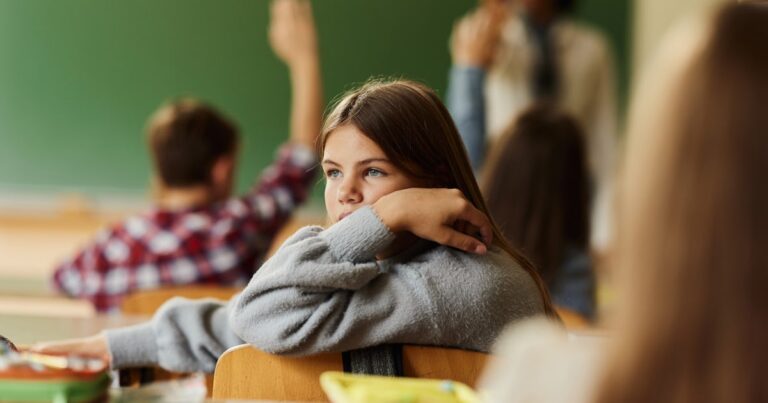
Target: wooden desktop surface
<point>29,329</point>
<point>34,296</point>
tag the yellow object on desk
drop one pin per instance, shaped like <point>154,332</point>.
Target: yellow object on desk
<point>346,388</point>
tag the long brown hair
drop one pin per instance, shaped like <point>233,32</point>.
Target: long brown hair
<point>692,324</point>
<point>537,187</point>
<point>414,129</point>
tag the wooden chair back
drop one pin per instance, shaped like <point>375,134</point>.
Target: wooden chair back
<point>146,302</point>
<point>244,372</point>
<point>443,363</point>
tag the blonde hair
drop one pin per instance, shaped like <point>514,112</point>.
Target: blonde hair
<point>692,246</point>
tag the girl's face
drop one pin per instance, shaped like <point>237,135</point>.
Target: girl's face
<point>357,172</point>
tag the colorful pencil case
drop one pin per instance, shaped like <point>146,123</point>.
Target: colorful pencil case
<point>347,388</point>
<point>33,377</point>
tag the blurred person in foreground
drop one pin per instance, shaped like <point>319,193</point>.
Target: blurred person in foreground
<point>692,229</point>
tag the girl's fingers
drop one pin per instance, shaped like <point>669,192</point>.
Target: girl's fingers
<point>461,241</point>
<point>461,226</point>
<point>479,220</point>
<point>476,232</point>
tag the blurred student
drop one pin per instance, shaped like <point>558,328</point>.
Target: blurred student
<point>197,232</point>
<point>691,321</point>
<point>527,51</point>
<point>537,187</point>
<point>410,255</point>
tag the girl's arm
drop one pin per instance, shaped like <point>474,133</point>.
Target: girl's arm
<point>322,291</point>
<point>325,291</point>
<point>183,336</point>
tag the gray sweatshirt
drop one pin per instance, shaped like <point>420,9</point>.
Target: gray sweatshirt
<point>324,290</point>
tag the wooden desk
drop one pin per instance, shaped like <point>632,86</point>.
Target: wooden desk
<point>29,329</point>
<point>33,296</point>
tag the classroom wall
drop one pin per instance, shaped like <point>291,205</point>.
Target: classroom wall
<point>78,78</point>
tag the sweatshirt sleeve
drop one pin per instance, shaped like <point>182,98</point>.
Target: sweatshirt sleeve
<point>183,336</point>
<point>324,291</point>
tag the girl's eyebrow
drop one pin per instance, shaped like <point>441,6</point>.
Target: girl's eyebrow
<point>370,160</point>
<point>361,162</point>
<point>327,161</point>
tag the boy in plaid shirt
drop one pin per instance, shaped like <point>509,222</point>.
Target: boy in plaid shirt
<point>196,233</point>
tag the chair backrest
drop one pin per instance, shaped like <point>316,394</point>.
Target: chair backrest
<point>443,363</point>
<point>146,302</point>
<point>244,372</point>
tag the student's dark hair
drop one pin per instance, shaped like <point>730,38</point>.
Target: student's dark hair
<point>537,187</point>
<point>565,6</point>
<point>186,137</point>
<point>692,242</point>
<point>415,131</point>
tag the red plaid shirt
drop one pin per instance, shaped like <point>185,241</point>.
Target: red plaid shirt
<point>219,244</point>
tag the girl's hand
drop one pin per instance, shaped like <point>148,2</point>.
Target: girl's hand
<point>438,215</point>
<point>292,32</point>
<point>94,346</point>
<point>475,36</point>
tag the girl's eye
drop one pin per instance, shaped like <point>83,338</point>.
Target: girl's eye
<point>374,172</point>
<point>332,173</point>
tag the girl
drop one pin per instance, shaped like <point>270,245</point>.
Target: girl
<point>399,263</point>
<point>536,184</point>
<point>691,322</point>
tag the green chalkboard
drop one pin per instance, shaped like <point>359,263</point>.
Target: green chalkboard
<point>78,78</point>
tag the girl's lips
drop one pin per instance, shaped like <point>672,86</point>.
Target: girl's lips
<point>342,215</point>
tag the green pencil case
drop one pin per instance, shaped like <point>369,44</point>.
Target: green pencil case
<point>33,377</point>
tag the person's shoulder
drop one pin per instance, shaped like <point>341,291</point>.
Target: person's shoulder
<point>582,35</point>
<point>538,360</point>
<point>495,266</point>
<point>579,29</point>
<point>492,258</point>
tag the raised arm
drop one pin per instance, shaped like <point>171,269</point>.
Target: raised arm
<point>287,183</point>
<point>293,38</point>
<point>473,45</point>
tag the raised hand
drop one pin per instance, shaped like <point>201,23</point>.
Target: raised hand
<point>292,32</point>
<point>476,35</point>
